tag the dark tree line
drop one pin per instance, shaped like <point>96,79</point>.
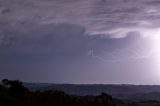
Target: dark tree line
<point>14,87</point>
<point>13,93</point>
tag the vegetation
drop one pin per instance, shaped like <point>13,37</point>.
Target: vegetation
<point>12,93</point>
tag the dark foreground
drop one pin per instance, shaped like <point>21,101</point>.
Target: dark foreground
<point>13,93</point>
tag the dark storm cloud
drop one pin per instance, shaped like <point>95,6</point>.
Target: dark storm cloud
<point>57,39</point>
<point>86,39</point>
<point>47,48</point>
<point>154,2</point>
<point>97,16</point>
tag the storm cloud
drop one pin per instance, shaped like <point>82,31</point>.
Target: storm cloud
<point>90,40</point>
<point>111,18</point>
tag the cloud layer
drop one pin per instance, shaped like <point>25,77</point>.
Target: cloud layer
<point>85,40</point>
<point>113,18</point>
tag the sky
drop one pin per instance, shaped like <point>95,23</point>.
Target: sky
<point>80,41</point>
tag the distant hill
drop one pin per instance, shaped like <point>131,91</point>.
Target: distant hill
<point>123,92</point>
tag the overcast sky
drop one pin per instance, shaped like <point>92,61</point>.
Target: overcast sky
<point>80,41</point>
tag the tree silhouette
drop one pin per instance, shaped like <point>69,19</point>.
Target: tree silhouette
<point>5,82</point>
<point>13,93</point>
<point>15,87</point>
<point>104,100</point>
